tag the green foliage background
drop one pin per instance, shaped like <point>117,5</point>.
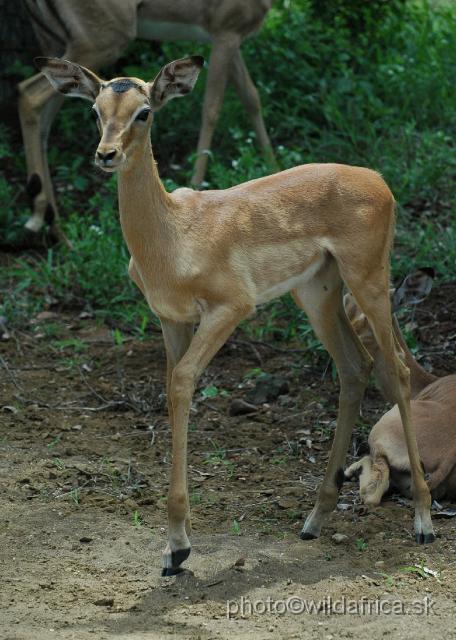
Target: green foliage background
<point>370,84</point>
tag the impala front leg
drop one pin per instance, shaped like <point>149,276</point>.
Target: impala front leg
<point>177,337</point>
<point>213,331</point>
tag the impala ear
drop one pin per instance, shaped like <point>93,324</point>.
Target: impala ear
<point>175,80</point>
<point>414,288</point>
<point>69,78</point>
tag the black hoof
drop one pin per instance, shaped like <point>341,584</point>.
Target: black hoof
<point>305,535</point>
<point>177,558</point>
<point>171,571</point>
<point>424,538</point>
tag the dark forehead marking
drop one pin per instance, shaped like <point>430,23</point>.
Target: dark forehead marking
<point>122,85</point>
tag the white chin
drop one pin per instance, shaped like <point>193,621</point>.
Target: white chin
<point>112,168</point>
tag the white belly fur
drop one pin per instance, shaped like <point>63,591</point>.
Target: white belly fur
<point>290,283</point>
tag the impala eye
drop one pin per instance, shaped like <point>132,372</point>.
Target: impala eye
<point>143,115</point>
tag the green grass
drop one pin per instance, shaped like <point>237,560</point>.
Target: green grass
<point>361,544</point>
<point>236,528</point>
<point>137,520</point>
<point>369,84</point>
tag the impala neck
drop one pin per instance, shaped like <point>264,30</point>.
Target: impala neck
<point>145,207</point>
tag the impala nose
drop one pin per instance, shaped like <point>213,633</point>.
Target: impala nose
<point>105,158</point>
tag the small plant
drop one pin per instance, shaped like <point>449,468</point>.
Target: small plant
<point>196,498</point>
<point>76,344</point>
<point>75,496</point>
<point>137,520</point>
<point>230,468</point>
<point>141,329</point>
<point>422,571</point>
<point>294,448</point>
<point>389,579</point>
<point>72,363</point>
<point>361,544</point>
<point>294,515</point>
<point>253,373</point>
<point>210,391</point>
<point>216,456</point>
<point>55,441</point>
<point>118,337</point>
<point>51,329</point>
<point>236,528</point>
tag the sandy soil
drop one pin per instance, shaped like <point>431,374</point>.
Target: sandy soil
<point>84,462</point>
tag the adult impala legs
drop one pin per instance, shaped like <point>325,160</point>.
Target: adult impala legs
<point>95,32</point>
<point>322,301</point>
<point>353,363</point>
<point>433,408</point>
<point>210,257</point>
<point>248,95</point>
<point>225,63</point>
<point>38,105</point>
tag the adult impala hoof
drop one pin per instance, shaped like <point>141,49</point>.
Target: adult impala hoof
<point>172,561</point>
<point>306,535</point>
<point>424,538</point>
<point>171,571</point>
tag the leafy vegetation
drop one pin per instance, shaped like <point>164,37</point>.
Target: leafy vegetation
<point>361,83</point>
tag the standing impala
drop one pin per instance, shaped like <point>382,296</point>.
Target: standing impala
<point>210,257</point>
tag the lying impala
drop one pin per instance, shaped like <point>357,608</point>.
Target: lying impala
<point>210,257</point>
<point>433,413</point>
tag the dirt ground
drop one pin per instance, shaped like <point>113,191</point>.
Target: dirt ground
<point>85,456</point>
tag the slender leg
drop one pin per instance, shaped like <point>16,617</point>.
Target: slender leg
<point>322,301</point>
<point>373,298</point>
<point>212,333</point>
<point>223,49</point>
<point>38,105</point>
<point>249,96</point>
<point>177,337</point>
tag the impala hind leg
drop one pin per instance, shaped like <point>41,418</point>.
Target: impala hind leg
<point>214,329</point>
<point>322,301</point>
<point>250,98</point>
<point>373,298</point>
